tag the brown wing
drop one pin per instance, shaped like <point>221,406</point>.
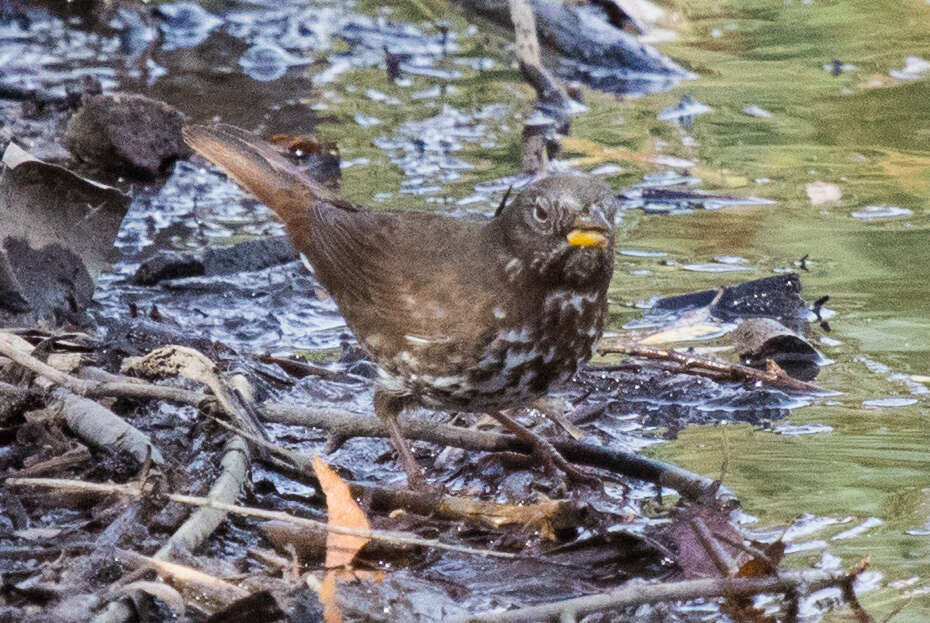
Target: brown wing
<point>389,273</point>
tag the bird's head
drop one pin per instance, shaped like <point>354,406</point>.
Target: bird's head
<point>562,228</point>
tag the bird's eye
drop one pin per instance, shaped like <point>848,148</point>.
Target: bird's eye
<point>541,214</point>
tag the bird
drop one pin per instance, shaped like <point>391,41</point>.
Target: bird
<point>457,314</point>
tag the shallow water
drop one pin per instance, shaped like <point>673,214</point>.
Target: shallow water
<point>446,136</point>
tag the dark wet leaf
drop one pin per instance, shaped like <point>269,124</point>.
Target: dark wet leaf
<point>56,234</point>
<point>760,339</point>
<point>260,606</point>
<point>693,555</point>
<point>776,297</point>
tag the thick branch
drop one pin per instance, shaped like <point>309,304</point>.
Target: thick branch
<point>715,369</point>
<point>642,593</point>
<point>348,424</point>
<point>342,423</point>
<point>247,511</point>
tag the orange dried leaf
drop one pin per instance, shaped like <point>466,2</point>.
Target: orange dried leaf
<point>760,567</point>
<point>331,611</point>
<point>343,511</point>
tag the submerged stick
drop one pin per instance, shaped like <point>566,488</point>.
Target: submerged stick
<point>644,593</point>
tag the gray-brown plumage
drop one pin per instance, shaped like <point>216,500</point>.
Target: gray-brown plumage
<point>457,314</point>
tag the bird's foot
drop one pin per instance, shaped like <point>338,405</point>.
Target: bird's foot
<point>551,458</point>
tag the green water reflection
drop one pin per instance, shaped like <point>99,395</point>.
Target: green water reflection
<point>874,143</point>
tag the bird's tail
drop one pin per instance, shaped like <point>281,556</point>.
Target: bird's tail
<point>292,194</point>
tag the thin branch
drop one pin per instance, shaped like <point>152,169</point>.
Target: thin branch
<point>347,424</point>
<point>638,593</point>
<point>247,511</point>
<point>715,369</point>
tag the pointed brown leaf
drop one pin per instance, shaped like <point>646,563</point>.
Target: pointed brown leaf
<point>343,511</point>
<point>331,611</point>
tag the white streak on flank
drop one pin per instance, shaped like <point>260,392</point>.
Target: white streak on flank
<point>499,313</point>
<point>417,340</point>
<point>443,382</point>
<point>513,268</point>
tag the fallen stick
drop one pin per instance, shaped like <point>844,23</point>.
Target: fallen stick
<point>344,424</point>
<point>645,593</point>
<point>247,511</point>
<point>348,424</point>
<point>552,514</point>
<point>234,466</point>
<point>89,420</point>
<point>715,369</point>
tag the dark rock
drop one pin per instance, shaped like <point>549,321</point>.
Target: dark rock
<point>168,265</point>
<point>244,256</point>
<point>54,278</point>
<point>250,255</point>
<point>127,133</point>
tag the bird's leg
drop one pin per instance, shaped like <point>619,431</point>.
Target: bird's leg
<point>387,408</point>
<point>546,451</point>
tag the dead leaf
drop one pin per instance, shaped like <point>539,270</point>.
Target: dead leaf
<point>693,558</point>
<point>56,233</point>
<point>342,511</point>
<point>327,592</point>
<point>596,153</point>
<point>760,567</point>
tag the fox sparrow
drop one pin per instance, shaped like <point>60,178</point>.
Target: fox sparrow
<point>457,314</point>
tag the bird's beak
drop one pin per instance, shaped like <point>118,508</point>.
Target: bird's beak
<point>589,231</point>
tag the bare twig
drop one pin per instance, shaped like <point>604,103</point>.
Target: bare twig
<point>89,420</point>
<point>548,90</point>
<point>347,424</point>
<point>171,360</point>
<point>715,369</point>
<point>722,559</point>
<point>246,511</point>
<point>643,593</point>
